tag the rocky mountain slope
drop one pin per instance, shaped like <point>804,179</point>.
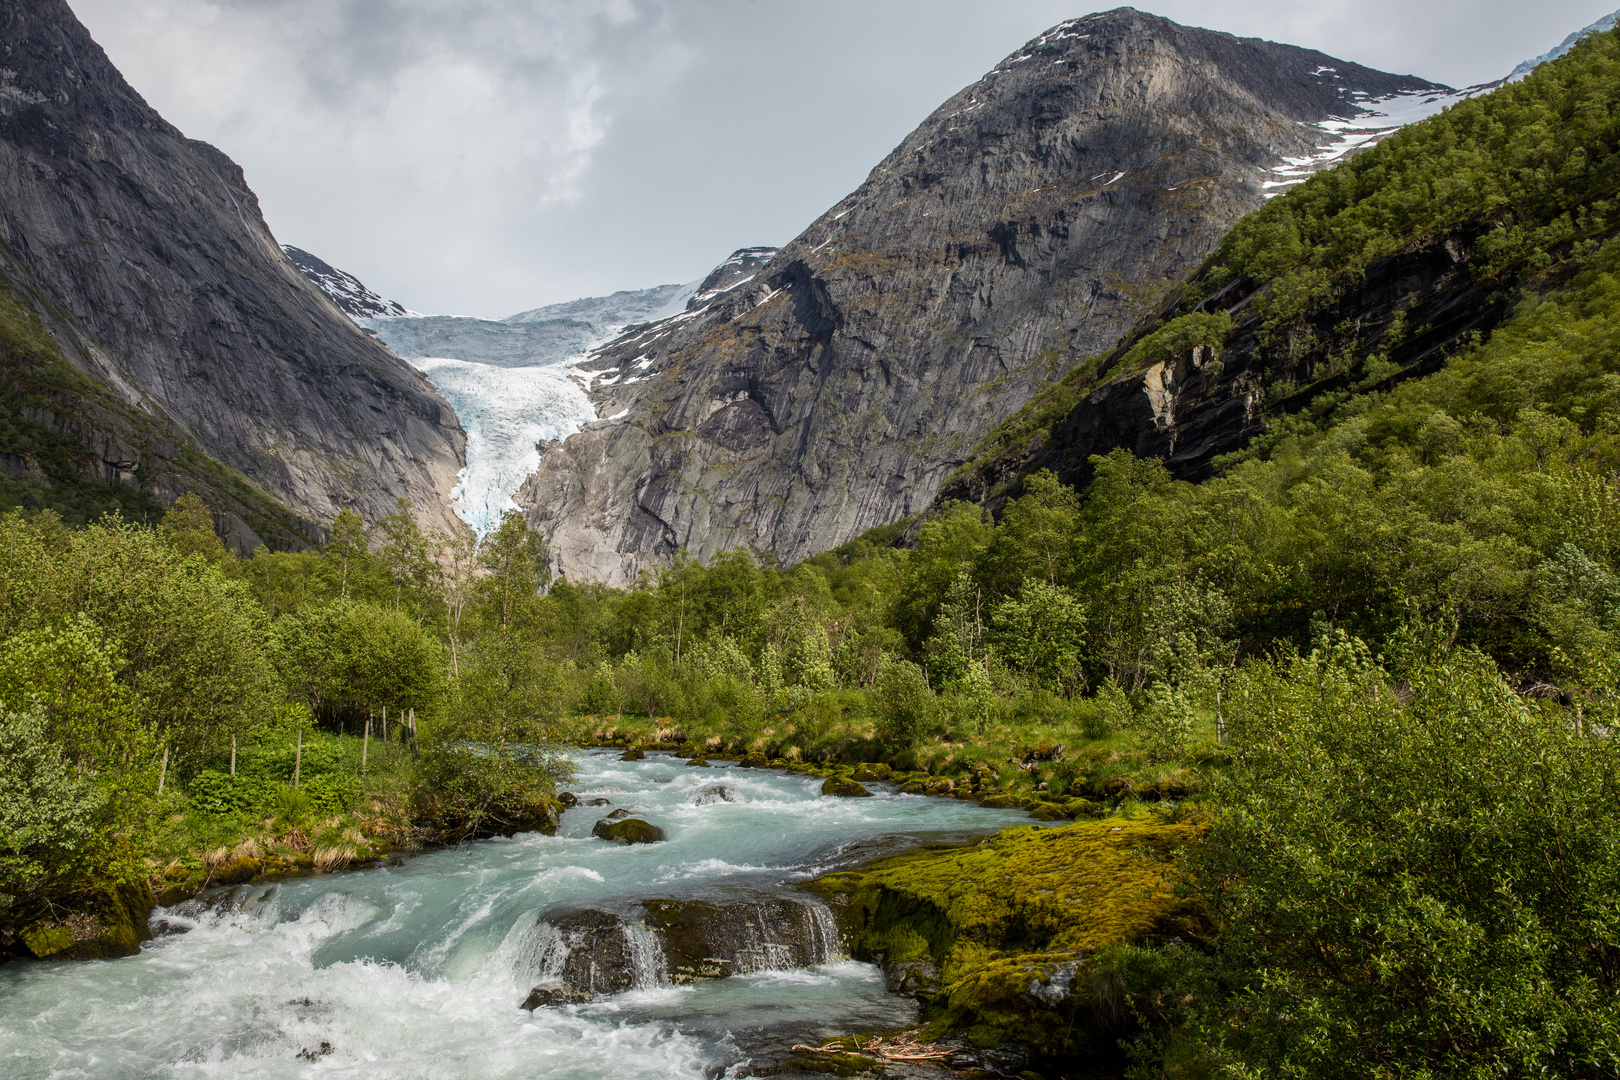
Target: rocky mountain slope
<point>1017,232</point>
<point>1301,336</point>
<point>203,358</point>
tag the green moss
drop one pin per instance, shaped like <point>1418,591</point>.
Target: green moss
<point>1014,920</point>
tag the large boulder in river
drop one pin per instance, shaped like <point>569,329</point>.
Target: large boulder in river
<point>868,771</point>
<point>844,788</point>
<point>704,940</point>
<point>715,793</point>
<point>755,760</point>
<point>628,831</point>
<point>597,957</point>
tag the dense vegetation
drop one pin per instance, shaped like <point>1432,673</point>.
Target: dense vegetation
<point>1372,661</point>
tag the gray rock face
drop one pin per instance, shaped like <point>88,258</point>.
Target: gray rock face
<point>147,258</point>
<point>1019,231</point>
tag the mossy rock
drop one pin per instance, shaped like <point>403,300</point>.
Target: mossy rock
<point>844,788</point>
<point>1083,808</point>
<point>634,753</point>
<point>237,871</point>
<point>1003,802</point>
<point>701,763</point>
<point>867,771</point>
<point>913,787</point>
<point>1046,811</point>
<point>104,925</point>
<point>753,761</point>
<point>628,831</point>
<point>1010,922</point>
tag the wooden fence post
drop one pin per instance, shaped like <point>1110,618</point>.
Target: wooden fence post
<point>164,771</point>
<point>365,744</point>
<point>298,757</point>
<point>233,755</point>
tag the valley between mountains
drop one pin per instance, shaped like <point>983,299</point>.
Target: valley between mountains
<point>1132,590</point>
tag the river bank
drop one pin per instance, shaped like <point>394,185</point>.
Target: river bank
<point>421,966</point>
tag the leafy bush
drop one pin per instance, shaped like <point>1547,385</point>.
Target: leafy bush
<point>904,704</point>
<point>1414,880</point>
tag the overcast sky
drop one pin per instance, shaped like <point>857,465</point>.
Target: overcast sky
<point>480,157</point>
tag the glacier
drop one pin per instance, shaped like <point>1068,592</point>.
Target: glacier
<point>515,383</point>
<point>512,382</point>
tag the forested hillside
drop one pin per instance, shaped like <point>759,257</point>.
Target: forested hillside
<point>1368,655</point>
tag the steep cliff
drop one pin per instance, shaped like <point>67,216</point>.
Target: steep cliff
<point>212,363</point>
<point>1015,234</point>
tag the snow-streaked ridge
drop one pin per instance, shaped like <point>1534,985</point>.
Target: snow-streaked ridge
<point>1608,22</point>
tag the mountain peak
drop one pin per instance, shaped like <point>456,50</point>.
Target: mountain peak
<point>345,290</point>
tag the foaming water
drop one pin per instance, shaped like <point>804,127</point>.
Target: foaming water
<point>417,970</point>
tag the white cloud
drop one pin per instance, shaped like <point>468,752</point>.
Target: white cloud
<point>379,131</point>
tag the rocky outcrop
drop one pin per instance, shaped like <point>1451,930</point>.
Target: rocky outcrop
<point>145,256</point>
<point>1016,233</point>
<point>1189,409</point>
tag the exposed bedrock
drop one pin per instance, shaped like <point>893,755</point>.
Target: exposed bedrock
<point>1021,229</point>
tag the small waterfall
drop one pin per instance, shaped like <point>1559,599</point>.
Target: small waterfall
<point>648,968</point>
<point>544,955</point>
<point>825,946</point>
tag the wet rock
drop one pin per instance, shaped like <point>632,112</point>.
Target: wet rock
<point>844,788</point>
<point>618,814</point>
<point>598,802</point>
<point>916,978</point>
<point>701,763</point>
<point>704,940</point>
<point>548,995</point>
<point>628,831</point>
<point>1003,802</point>
<point>869,771</point>
<point>716,793</point>
<point>756,760</point>
<point>913,787</point>
<point>634,753</point>
<point>568,800</point>
<point>599,957</point>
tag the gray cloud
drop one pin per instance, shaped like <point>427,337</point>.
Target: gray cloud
<point>486,156</point>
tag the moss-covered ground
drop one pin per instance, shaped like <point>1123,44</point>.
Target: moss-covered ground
<point>1038,935</point>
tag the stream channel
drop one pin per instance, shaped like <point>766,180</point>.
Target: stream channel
<point>417,969</point>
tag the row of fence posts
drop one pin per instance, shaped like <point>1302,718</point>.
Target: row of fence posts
<point>408,724</point>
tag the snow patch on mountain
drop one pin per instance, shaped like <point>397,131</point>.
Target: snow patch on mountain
<point>1372,120</point>
<point>345,290</point>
